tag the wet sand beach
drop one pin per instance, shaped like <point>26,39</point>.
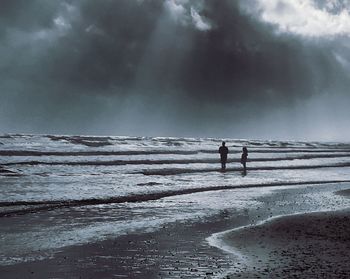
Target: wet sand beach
<point>142,207</point>
<point>180,249</point>
<point>313,245</point>
<point>177,250</point>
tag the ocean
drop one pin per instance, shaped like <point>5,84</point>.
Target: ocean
<point>57,191</point>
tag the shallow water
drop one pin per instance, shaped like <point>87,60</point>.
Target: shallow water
<point>68,190</point>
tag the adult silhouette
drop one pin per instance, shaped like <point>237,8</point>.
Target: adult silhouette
<point>223,150</point>
<point>244,159</point>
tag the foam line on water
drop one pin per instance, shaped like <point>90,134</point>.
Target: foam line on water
<point>217,239</point>
<point>176,171</point>
<point>55,204</point>
<point>171,161</point>
<point>92,153</point>
<point>162,151</point>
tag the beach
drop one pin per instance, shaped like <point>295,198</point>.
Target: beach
<point>312,245</point>
<point>180,249</point>
<point>169,139</point>
<point>125,208</point>
<point>309,245</point>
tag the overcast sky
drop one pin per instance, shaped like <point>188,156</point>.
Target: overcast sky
<point>269,69</point>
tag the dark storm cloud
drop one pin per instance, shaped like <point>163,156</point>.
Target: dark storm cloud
<point>22,15</point>
<point>233,60</point>
<point>105,47</point>
<point>87,66</point>
<point>241,60</point>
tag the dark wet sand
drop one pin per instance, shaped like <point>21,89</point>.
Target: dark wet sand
<point>302,246</point>
<point>177,250</point>
<point>315,245</point>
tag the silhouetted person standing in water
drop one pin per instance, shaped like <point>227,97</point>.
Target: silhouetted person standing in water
<point>223,150</point>
<point>244,158</point>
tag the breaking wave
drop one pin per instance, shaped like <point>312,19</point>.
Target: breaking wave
<point>36,206</point>
<point>176,171</point>
<point>172,161</point>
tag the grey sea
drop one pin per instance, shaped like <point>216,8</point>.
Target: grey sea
<point>59,192</point>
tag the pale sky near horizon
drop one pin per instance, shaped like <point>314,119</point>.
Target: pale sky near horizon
<point>272,69</point>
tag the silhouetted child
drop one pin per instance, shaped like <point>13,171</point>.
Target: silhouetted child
<point>244,158</point>
<point>223,150</point>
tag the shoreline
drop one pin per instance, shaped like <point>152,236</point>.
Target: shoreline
<point>176,250</point>
<point>306,245</point>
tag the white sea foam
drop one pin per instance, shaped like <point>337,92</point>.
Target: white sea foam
<point>100,170</point>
